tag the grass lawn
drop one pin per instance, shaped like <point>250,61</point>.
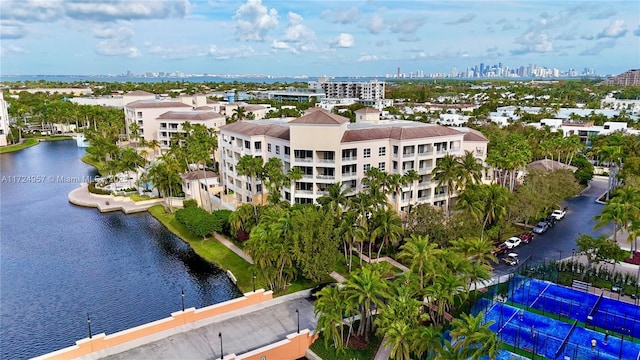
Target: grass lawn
<point>89,160</point>
<point>25,144</point>
<point>209,249</point>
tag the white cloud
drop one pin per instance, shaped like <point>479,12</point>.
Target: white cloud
<point>533,42</point>
<point>275,44</point>
<point>254,20</point>
<point>616,29</point>
<point>465,19</point>
<point>376,24</point>
<point>10,50</point>
<point>341,16</point>
<point>12,29</point>
<point>296,31</point>
<point>117,41</point>
<point>230,53</point>
<point>111,10</point>
<point>343,40</point>
<point>367,57</point>
<point>598,47</point>
<point>31,10</point>
<point>408,25</point>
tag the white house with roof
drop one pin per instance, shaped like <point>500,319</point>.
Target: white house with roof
<point>328,149</point>
<point>202,186</point>
<point>4,121</point>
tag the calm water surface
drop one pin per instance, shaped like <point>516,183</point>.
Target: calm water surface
<point>59,261</point>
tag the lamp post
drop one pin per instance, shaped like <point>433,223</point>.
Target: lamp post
<point>89,325</point>
<point>221,351</point>
<point>182,295</point>
<point>298,313</point>
<point>573,253</point>
<point>254,281</point>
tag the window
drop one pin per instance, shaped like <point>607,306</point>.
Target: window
<point>382,151</point>
<point>287,150</point>
<point>382,166</point>
<point>247,144</point>
<point>139,114</point>
<point>395,150</point>
<point>257,145</point>
<point>366,167</point>
<point>277,149</point>
<point>366,153</point>
<point>269,147</point>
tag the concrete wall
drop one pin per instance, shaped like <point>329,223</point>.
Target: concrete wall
<point>102,341</point>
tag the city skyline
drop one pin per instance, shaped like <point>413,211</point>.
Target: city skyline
<point>276,38</point>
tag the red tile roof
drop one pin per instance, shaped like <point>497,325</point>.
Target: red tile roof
<point>319,116</point>
<point>249,127</point>
<point>474,135</point>
<point>196,175</point>
<point>184,115</point>
<point>146,104</point>
<point>138,93</point>
<point>367,110</point>
<point>398,133</point>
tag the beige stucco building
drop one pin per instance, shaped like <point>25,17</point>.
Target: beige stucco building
<point>329,149</point>
<point>4,121</point>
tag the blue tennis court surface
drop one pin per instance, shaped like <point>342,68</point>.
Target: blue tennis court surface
<point>544,336</point>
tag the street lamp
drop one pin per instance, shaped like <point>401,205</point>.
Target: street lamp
<point>254,281</point>
<point>89,325</point>
<point>182,295</point>
<point>298,313</point>
<point>221,351</point>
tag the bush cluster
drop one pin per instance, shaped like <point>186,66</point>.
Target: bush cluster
<point>94,190</point>
<point>198,221</point>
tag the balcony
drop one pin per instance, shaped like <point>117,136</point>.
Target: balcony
<point>326,161</point>
<point>425,153</point>
<point>349,158</point>
<point>304,192</point>
<point>426,169</point>
<point>303,160</point>
<point>349,174</point>
<point>411,154</point>
<point>326,177</point>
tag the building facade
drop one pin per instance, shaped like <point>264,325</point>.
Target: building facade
<point>4,121</point>
<point>328,149</point>
<point>371,90</point>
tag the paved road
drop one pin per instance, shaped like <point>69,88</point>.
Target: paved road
<point>559,241</point>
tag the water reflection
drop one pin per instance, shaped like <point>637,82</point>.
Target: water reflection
<point>60,261</point>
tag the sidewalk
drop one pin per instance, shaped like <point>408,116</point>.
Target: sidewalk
<point>224,241</point>
<point>107,203</point>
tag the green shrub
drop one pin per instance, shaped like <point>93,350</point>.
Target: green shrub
<point>198,221</point>
<point>191,203</point>
<point>92,189</point>
<point>223,217</point>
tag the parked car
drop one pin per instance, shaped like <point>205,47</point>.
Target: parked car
<point>313,293</point>
<point>541,227</point>
<point>512,242</point>
<point>559,214</point>
<point>527,237</point>
<point>511,259</point>
<point>616,288</point>
<point>500,249</point>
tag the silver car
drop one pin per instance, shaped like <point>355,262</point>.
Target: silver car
<point>541,227</point>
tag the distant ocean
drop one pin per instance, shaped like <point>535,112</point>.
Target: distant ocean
<point>194,79</point>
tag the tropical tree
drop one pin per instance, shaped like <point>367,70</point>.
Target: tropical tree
<point>411,177</point>
<point>388,226</point>
<point>447,173</point>
<point>330,308</point>
<point>395,182</point>
<point>253,169</point>
<point>470,169</point>
<point>472,337</point>
<point>421,256</point>
<point>368,290</point>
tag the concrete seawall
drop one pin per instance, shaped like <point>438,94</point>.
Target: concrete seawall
<point>107,203</point>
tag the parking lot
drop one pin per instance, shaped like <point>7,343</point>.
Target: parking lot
<point>559,241</point>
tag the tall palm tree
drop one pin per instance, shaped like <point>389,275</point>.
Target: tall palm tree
<point>446,173</point>
<point>253,169</point>
<point>470,169</point>
<point>421,256</point>
<point>330,308</point>
<point>426,340</point>
<point>395,182</point>
<point>623,209</point>
<point>411,177</point>
<point>351,231</point>
<point>388,226</point>
<point>367,289</point>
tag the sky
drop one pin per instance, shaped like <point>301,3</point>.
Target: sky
<point>313,38</point>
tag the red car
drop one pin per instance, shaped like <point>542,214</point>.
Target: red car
<point>527,237</point>
<point>501,249</point>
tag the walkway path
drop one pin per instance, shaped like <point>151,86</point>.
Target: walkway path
<point>107,203</point>
<point>226,242</point>
<point>384,258</point>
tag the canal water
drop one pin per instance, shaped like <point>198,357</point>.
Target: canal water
<point>60,262</point>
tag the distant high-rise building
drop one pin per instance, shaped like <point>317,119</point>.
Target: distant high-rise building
<point>454,72</point>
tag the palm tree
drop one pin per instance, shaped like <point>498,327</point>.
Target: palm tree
<point>398,335</point>
<point>470,169</point>
<point>335,200</point>
<point>239,114</point>
<point>411,177</point>
<point>426,339</point>
<point>623,209</point>
<point>252,168</point>
<point>395,182</point>
<point>351,231</point>
<point>421,255</point>
<point>446,173</point>
<point>367,289</point>
<point>387,224</point>
<point>330,308</point>
<point>472,337</point>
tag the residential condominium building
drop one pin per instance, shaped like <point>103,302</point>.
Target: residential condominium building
<point>161,119</point>
<point>371,90</point>
<point>4,121</point>
<point>329,149</point>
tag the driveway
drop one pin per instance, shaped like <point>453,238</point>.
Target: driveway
<point>559,241</point>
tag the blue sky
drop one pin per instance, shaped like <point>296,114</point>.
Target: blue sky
<point>304,37</point>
